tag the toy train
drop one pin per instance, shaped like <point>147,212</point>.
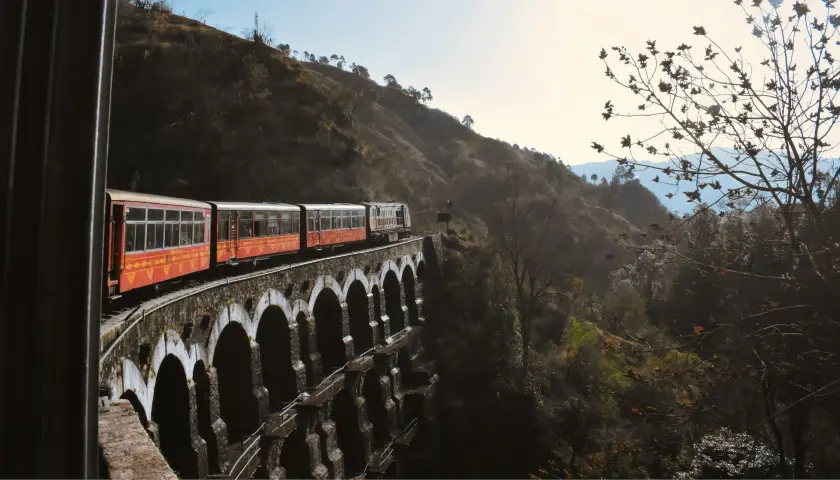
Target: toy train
<point>153,239</point>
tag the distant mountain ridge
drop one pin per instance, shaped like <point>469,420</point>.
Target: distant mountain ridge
<point>678,202</point>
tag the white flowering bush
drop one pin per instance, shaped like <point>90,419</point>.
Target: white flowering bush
<point>727,454</point>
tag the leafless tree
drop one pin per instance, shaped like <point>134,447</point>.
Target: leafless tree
<point>527,242</point>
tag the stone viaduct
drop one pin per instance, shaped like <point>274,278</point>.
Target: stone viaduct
<point>311,370</point>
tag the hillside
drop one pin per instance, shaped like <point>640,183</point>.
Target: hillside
<point>200,113</point>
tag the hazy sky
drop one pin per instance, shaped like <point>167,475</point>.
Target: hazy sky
<point>526,70</point>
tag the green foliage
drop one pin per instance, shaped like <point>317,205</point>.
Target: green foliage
<point>580,334</point>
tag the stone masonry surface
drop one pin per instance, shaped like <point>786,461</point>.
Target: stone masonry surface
<point>128,450</point>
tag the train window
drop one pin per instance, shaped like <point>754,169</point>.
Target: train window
<point>259,224</point>
<point>325,221</point>
<point>150,236</point>
<point>285,223</point>
<point>186,216</point>
<point>173,216</point>
<point>295,222</point>
<point>135,214</point>
<point>140,237</point>
<point>198,231</point>
<point>198,216</point>
<point>273,227</point>
<point>186,232</point>
<point>155,215</point>
<point>158,235</point>
<point>224,222</point>
<point>129,237</point>
<point>246,224</point>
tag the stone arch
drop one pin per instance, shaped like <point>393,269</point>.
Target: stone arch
<point>406,262</point>
<point>418,259</point>
<point>132,380</point>
<point>274,336</point>
<point>271,298</point>
<point>325,282</point>
<point>232,360</point>
<point>388,266</point>
<point>348,432</point>
<point>235,313</point>
<point>421,271</point>
<point>359,312</point>
<point>171,413</point>
<point>329,332</point>
<point>201,380</point>
<point>393,301</point>
<point>132,397</point>
<point>356,275</point>
<point>170,343</point>
<point>294,457</point>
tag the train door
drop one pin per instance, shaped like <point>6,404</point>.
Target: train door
<point>117,217</point>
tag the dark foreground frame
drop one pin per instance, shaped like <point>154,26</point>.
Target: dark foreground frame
<point>55,81</point>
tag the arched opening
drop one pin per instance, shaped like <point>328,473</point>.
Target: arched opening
<point>393,307</point>
<point>278,375</point>
<point>421,271</point>
<point>138,407</point>
<point>377,313</point>
<point>377,414</point>
<point>295,455</point>
<point>303,342</point>
<point>205,423</point>
<point>328,332</point>
<point>171,412</point>
<point>232,360</point>
<point>408,287</point>
<point>350,439</point>
<point>357,307</point>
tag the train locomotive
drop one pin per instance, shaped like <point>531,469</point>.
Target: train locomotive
<point>151,240</point>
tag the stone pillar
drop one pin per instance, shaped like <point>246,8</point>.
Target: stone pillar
<point>199,446</point>
<point>333,457</point>
<point>260,392</point>
<point>273,467</point>
<point>381,374</point>
<point>316,467</point>
<point>218,425</point>
<point>403,307</point>
<point>364,425</point>
<point>294,352</point>
<point>384,319</point>
<point>346,338</point>
<point>373,322</point>
<point>418,300</point>
<point>314,355</point>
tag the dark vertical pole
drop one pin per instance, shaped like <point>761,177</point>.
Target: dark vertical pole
<point>55,81</point>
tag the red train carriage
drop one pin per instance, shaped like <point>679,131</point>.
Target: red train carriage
<point>152,239</point>
<point>254,230</point>
<point>333,224</point>
<point>387,221</point>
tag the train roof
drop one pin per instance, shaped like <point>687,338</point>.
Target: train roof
<point>273,207</point>
<point>123,196</point>
<point>384,204</point>
<point>332,206</point>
